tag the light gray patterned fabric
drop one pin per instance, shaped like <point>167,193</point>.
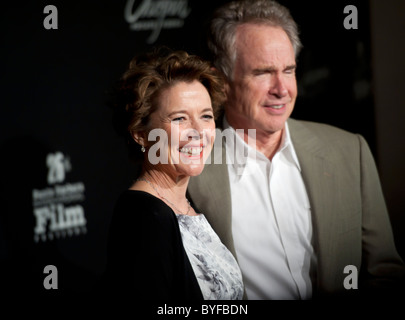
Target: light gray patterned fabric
<point>216,269</point>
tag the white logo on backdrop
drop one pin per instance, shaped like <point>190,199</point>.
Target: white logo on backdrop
<point>155,15</point>
<point>57,166</point>
<point>57,208</point>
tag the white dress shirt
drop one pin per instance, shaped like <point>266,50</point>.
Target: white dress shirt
<point>271,220</point>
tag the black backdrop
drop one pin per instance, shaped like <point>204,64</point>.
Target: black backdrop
<point>62,165</point>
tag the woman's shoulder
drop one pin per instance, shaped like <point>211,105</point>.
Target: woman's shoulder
<point>141,205</point>
<point>141,217</point>
<point>131,197</point>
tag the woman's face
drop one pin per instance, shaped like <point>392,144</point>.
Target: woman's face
<point>183,124</point>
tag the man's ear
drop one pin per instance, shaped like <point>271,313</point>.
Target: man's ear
<point>226,89</point>
<point>226,81</point>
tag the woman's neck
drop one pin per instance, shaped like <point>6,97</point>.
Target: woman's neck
<point>171,189</point>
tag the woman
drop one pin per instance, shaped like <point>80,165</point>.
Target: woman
<point>159,246</point>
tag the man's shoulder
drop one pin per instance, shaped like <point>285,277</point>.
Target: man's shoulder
<point>322,130</point>
<point>328,140</point>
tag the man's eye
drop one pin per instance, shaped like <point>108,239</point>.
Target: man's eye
<point>290,71</point>
<point>260,73</point>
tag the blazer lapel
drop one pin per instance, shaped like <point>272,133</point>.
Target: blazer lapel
<point>318,173</point>
<point>210,193</point>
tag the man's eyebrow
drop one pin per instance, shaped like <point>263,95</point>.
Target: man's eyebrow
<point>264,69</point>
<point>273,69</point>
<point>291,67</point>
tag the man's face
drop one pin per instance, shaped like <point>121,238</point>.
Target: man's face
<point>263,89</point>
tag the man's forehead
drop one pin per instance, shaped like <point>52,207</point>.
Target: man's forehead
<point>262,39</point>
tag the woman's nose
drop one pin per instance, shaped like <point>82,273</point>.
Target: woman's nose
<point>196,130</point>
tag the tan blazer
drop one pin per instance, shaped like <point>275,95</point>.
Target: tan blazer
<point>349,214</point>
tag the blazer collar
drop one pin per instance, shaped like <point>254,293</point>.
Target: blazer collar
<point>240,152</point>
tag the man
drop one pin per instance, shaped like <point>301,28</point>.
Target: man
<point>304,212</point>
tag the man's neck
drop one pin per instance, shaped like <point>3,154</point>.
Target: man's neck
<point>266,142</point>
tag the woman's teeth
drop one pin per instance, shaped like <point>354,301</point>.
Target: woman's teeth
<point>277,107</point>
<point>193,151</point>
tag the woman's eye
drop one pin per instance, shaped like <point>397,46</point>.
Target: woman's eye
<point>208,116</point>
<point>178,119</point>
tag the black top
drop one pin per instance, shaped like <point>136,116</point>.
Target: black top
<point>146,258</point>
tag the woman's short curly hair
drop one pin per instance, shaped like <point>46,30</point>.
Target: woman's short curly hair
<point>147,76</point>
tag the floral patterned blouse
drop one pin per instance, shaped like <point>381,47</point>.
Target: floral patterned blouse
<point>215,268</point>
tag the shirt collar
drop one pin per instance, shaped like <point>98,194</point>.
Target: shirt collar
<point>244,152</point>
<point>290,146</point>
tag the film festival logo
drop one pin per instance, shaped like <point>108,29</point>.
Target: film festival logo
<point>155,15</point>
<point>58,209</point>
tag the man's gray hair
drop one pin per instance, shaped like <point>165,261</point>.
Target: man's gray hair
<point>226,19</point>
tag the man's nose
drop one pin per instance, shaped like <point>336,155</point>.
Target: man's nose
<point>278,87</point>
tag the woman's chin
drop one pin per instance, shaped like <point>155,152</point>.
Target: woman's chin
<point>194,169</point>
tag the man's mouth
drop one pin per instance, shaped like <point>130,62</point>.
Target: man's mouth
<point>275,109</point>
<point>277,106</point>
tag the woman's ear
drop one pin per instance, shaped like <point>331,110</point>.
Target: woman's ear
<point>139,137</point>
